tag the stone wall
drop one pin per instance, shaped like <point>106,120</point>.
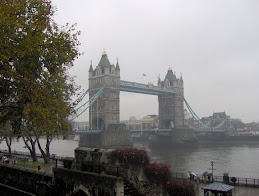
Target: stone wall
<point>25,180</point>
<point>92,172</point>
<point>69,181</point>
<point>100,161</point>
<point>28,182</point>
<point>8,190</point>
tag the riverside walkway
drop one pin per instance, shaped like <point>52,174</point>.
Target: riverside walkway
<point>240,190</point>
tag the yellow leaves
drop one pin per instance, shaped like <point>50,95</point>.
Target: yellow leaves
<point>41,53</point>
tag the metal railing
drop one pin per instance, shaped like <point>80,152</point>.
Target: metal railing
<point>240,181</point>
<point>26,156</point>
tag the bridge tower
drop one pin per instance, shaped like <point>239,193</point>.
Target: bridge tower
<point>171,106</point>
<point>106,109</point>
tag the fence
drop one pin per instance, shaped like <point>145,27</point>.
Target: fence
<point>239,181</point>
<point>21,156</point>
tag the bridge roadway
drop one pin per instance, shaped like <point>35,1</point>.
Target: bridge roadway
<point>165,132</point>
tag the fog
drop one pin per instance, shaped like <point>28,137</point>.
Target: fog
<point>214,44</point>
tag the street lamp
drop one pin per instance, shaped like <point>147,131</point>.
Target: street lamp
<point>212,163</point>
<point>212,168</point>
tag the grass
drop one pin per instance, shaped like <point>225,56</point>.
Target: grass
<point>32,164</point>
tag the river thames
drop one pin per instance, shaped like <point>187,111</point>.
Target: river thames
<point>239,160</point>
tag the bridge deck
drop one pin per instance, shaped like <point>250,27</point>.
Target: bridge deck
<point>158,131</point>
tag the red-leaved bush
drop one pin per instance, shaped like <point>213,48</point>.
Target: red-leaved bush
<point>132,156</point>
<point>158,173</point>
<point>180,188</point>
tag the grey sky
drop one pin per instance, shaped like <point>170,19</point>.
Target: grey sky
<point>214,44</point>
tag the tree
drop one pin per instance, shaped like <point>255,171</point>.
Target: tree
<point>48,111</point>
<point>35,55</point>
<point>7,134</point>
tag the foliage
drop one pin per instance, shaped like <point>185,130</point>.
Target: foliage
<point>48,110</point>
<point>180,188</point>
<point>158,173</point>
<point>35,55</point>
<point>32,49</point>
<point>132,156</point>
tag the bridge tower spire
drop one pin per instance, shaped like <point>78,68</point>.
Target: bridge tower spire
<point>105,110</point>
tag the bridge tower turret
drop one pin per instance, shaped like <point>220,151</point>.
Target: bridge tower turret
<point>171,106</point>
<point>106,109</point>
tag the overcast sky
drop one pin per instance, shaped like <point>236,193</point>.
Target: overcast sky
<point>214,44</point>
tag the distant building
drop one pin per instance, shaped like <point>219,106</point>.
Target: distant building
<point>147,122</point>
<point>132,124</point>
<point>237,124</point>
<point>133,118</point>
<point>219,118</point>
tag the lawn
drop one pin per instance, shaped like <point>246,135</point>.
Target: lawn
<point>32,164</point>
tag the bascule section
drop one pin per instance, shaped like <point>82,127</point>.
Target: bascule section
<point>171,105</point>
<point>106,109</point>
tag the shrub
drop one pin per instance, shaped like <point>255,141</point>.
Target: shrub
<point>132,156</point>
<point>158,173</point>
<point>180,188</point>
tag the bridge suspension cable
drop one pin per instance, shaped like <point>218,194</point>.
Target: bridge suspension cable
<point>220,125</point>
<point>196,117</point>
<point>80,98</point>
<point>90,101</point>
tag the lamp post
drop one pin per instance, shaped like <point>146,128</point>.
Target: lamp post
<point>212,164</point>
<point>212,168</point>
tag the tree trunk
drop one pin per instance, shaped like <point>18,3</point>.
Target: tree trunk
<point>31,148</point>
<point>45,154</point>
<point>8,141</point>
<point>33,152</point>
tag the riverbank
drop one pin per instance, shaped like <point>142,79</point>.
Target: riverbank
<point>237,159</point>
<point>240,189</point>
<point>227,139</point>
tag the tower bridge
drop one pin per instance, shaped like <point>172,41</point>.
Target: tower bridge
<point>104,90</point>
<point>106,110</point>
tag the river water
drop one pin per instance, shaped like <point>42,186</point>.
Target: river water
<point>239,160</point>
